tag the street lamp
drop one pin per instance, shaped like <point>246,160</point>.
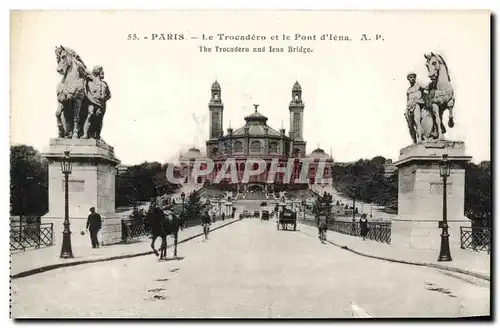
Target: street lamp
<point>304,210</point>
<point>183,195</point>
<point>66,251</point>
<point>444,172</point>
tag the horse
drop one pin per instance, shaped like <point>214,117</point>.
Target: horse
<point>440,93</point>
<point>162,227</point>
<point>73,103</point>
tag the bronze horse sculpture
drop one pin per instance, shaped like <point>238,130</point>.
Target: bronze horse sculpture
<point>438,98</point>
<point>75,97</point>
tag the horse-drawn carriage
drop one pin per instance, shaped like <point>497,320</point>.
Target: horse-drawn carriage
<point>287,217</point>
<point>264,216</point>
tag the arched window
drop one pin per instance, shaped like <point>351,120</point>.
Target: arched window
<point>238,147</point>
<point>273,147</point>
<point>255,147</point>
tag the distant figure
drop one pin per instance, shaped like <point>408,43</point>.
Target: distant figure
<point>94,224</point>
<point>363,224</point>
<point>223,216</point>
<point>205,223</point>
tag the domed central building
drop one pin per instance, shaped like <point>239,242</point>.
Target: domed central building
<point>256,139</point>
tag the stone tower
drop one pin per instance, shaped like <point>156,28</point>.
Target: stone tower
<point>296,109</point>
<point>216,108</point>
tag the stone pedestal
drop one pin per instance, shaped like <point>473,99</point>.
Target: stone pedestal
<point>91,184</point>
<point>420,195</point>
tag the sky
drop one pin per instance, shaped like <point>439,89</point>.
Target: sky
<point>354,91</point>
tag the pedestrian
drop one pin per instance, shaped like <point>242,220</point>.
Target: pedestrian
<point>94,224</point>
<point>223,216</point>
<point>363,224</point>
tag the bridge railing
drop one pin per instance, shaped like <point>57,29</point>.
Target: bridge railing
<point>29,232</point>
<point>477,239</point>
<point>377,231</point>
<point>133,229</point>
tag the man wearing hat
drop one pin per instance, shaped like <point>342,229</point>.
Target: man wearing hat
<point>94,224</point>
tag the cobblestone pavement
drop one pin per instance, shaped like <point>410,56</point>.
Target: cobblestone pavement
<point>250,270</point>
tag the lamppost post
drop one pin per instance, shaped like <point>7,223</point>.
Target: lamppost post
<point>66,251</point>
<point>183,195</point>
<point>303,210</point>
<point>444,253</point>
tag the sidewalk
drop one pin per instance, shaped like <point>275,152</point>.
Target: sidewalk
<point>464,260</point>
<point>43,259</point>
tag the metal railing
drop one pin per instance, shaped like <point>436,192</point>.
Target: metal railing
<point>477,239</point>
<point>133,229</point>
<point>28,232</point>
<point>377,231</point>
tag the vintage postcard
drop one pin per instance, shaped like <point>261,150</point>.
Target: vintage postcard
<point>250,164</point>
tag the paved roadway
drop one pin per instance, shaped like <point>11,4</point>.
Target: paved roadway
<point>250,270</point>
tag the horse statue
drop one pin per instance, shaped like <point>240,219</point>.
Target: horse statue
<point>81,96</point>
<point>439,97</point>
<point>72,103</point>
<point>163,224</point>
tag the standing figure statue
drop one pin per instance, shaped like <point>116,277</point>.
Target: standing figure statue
<point>98,94</point>
<point>414,104</point>
<point>425,105</point>
<point>81,97</point>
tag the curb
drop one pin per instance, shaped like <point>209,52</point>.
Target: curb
<point>106,259</point>
<point>425,264</point>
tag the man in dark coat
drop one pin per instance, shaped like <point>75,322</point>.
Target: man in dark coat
<point>94,224</point>
<point>363,224</point>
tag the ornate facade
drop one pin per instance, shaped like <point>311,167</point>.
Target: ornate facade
<point>256,139</point>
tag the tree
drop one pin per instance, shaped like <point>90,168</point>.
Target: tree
<point>28,181</point>
<point>364,180</point>
<point>143,182</point>
<point>193,206</point>
<point>478,193</point>
<point>322,205</point>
